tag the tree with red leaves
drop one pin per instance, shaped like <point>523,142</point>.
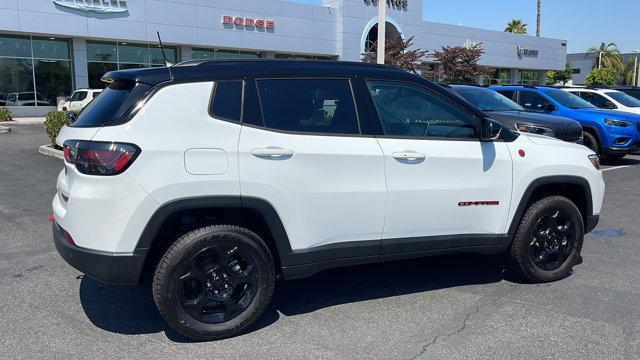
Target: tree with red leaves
<point>397,54</point>
<point>459,64</point>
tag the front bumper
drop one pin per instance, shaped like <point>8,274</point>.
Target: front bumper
<point>108,268</point>
<point>591,223</point>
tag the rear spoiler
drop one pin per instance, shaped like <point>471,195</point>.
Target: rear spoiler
<point>149,76</point>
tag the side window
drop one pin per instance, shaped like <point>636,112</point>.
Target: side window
<point>412,111</point>
<point>508,93</point>
<point>598,100</point>
<point>308,105</point>
<point>533,101</point>
<point>227,100</point>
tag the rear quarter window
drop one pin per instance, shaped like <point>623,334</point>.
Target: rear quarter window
<point>112,104</point>
<point>227,100</point>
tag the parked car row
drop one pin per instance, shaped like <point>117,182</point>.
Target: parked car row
<point>608,119</point>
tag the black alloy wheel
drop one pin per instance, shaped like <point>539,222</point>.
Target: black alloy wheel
<point>553,240</point>
<point>214,282</point>
<point>218,283</point>
<point>548,240</point>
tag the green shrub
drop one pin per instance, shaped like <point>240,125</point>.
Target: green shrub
<point>603,76</point>
<point>54,122</point>
<point>5,114</point>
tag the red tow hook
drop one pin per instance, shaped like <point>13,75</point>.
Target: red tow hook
<point>52,218</point>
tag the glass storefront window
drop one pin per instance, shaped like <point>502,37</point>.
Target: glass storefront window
<point>249,55</point>
<point>24,59</point>
<point>529,77</point>
<point>102,51</point>
<point>202,54</point>
<point>51,48</point>
<point>155,54</point>
<point>53,80</point>
<point>16,80</point>
<point>103,57</point>
<point>226,54</point>
<point>130,53</point>
<point>499,77</point>
<point>15,46</point>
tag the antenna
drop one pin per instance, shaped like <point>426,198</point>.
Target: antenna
<point>164,56</point>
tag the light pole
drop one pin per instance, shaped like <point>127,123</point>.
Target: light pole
<point>600,59</point>
<point>635,65</point>
<point>382,11</point>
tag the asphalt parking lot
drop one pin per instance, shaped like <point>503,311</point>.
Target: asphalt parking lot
<point>436,308</point>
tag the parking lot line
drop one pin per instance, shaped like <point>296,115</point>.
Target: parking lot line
<point>616,167</point>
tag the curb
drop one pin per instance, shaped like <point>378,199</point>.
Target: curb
<point>4,129</point>
<point>27,122</point>
<point>50,151</point>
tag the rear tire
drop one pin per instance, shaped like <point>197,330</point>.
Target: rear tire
<point>214,282</point>
<point>548,241</point>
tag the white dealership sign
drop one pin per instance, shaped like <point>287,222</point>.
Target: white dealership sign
<point>96,6</point>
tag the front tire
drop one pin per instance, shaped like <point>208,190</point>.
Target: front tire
<point>214,282</point>
<point>548,241</point>
<point>591,142</point>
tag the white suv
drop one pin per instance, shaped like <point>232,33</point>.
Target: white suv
<point>607,99</point>
<point>80,99</point>
<point>221,177</point>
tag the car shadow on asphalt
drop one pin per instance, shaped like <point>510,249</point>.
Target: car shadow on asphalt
<point>620,162</point>
<point>131,310</point>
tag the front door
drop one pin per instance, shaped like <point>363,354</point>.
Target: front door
<point>446,188</point>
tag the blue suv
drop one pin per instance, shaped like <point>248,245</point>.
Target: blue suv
<point>608,133</point>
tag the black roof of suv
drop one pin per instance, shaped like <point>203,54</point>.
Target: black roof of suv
<point>203,70</point>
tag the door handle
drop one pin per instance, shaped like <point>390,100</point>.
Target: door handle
<point>272,152</point>
<point>408,155</point>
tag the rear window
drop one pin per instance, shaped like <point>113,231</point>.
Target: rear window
<point>112,104</point>
<point>308,105</point>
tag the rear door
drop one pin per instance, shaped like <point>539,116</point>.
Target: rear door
<point>305,154</point>
<point>446,188</point>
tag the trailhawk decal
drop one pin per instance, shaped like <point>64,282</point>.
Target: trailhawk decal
<point>479,203</point>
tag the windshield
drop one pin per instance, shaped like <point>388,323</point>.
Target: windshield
<point>624,99</point>
<point>568,99</point>
<point>487,100</point>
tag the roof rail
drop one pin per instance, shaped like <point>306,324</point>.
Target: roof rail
<point>523,85</point>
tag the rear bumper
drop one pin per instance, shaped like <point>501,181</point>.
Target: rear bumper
<point>108,268</point>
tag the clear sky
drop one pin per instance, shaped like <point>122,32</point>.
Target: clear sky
<point>583,23</point>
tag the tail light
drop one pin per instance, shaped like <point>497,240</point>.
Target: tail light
<point>100,158</point>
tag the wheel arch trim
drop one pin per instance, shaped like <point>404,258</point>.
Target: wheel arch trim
<point>261,206</point>
<point>549,180</point>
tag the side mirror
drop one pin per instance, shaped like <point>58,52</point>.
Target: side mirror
<point>610,105</point>
<point>549,108</point>
<point>72,116</point>
<point>491,130</point>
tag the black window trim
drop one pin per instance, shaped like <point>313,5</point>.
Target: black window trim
<point>537,93</point>
<point>373,110</point>
<point>242,101</point>
<point>311,133</point>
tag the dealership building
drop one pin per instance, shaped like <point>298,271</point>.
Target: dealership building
<point>48,48</point>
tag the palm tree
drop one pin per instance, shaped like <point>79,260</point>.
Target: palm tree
<point>538,17</point>
<point>516,26</point>
<point>607,56</point>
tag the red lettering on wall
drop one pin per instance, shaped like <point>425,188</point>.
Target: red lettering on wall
<point>248,22</point>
